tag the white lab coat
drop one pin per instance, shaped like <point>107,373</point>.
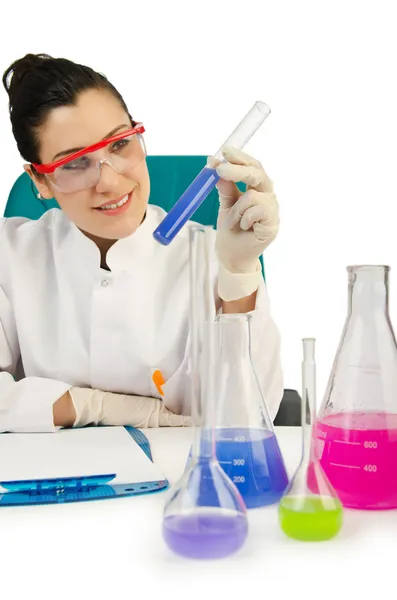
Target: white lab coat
<point>65,321</point>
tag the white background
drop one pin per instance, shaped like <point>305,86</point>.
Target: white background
<point>190,71</point>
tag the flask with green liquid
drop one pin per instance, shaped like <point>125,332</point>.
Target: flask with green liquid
<point>310,509</point>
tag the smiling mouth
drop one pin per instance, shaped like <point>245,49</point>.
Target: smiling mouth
<point>114,205</point>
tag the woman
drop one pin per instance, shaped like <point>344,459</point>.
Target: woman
<point>91,306</point>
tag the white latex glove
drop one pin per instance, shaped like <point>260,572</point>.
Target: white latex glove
<point>247,223</point>
<point>104,408</point>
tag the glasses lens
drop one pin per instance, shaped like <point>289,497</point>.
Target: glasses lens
<point>84,172</point>
<point>127,153</point>
<point>77,174</point>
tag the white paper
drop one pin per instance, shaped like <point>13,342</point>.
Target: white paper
<point>75,453</point>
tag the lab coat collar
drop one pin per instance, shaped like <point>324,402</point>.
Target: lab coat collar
<point>122,256</point>
<point>125,253</point>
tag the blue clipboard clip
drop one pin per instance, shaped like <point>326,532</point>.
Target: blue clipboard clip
<point>78,489</point>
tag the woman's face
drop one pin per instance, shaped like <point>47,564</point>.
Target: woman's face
<point>96,115</point>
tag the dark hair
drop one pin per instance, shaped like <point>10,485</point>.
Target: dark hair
<point>38,83</point>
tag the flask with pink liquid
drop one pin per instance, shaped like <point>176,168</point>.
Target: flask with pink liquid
<point>356,430</point>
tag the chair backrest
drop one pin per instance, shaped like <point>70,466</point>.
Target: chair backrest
<point>169,178</point>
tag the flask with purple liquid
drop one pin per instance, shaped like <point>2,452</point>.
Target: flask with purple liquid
<point>205,516</point>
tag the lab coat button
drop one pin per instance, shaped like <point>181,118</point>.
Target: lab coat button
<point>105,282</point>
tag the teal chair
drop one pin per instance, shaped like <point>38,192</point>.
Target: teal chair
<point>169,178</point>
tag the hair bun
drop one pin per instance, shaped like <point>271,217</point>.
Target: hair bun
<point>16,72</point>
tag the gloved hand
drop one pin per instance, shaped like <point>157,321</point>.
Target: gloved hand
<point>247,223</point>
<point>104,408</point>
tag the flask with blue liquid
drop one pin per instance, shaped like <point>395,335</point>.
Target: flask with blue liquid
<point>246,445</point>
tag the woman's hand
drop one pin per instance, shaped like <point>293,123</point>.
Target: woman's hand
<point>96,407</point>
<point>247,223</point>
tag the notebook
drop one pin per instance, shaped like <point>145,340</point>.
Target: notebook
<point>76,464</point>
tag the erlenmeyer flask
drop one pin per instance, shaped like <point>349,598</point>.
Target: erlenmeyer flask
<point>357,426</point>
<point>310,509</point>
<point>205,516</point>
<point>246,445</point>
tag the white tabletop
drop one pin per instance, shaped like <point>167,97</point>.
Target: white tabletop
<point>114,548</point>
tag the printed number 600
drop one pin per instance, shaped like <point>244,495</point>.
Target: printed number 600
<point>370,444</point>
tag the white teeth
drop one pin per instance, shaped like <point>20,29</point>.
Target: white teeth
<point>111,206</point>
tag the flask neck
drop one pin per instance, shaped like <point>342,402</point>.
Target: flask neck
<point>308,406</point>
<point>202,312</point>
<point>241,403</point>
<point>308,447</point>
<point>232,337</point>
<point>205,406</point>
<point>368,290</point>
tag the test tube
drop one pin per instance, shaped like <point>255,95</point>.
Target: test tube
<point>207,179</point>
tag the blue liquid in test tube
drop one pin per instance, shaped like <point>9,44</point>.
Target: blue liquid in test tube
<point>187,204</point>
<point>207,179</point>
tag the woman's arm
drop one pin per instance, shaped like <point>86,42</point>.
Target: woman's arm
<point>63,411</point>
<point>244,305</point>
<point>247,223</point>
<point>25,405</point>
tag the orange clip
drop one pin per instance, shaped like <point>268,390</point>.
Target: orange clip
<point>158,381</point>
